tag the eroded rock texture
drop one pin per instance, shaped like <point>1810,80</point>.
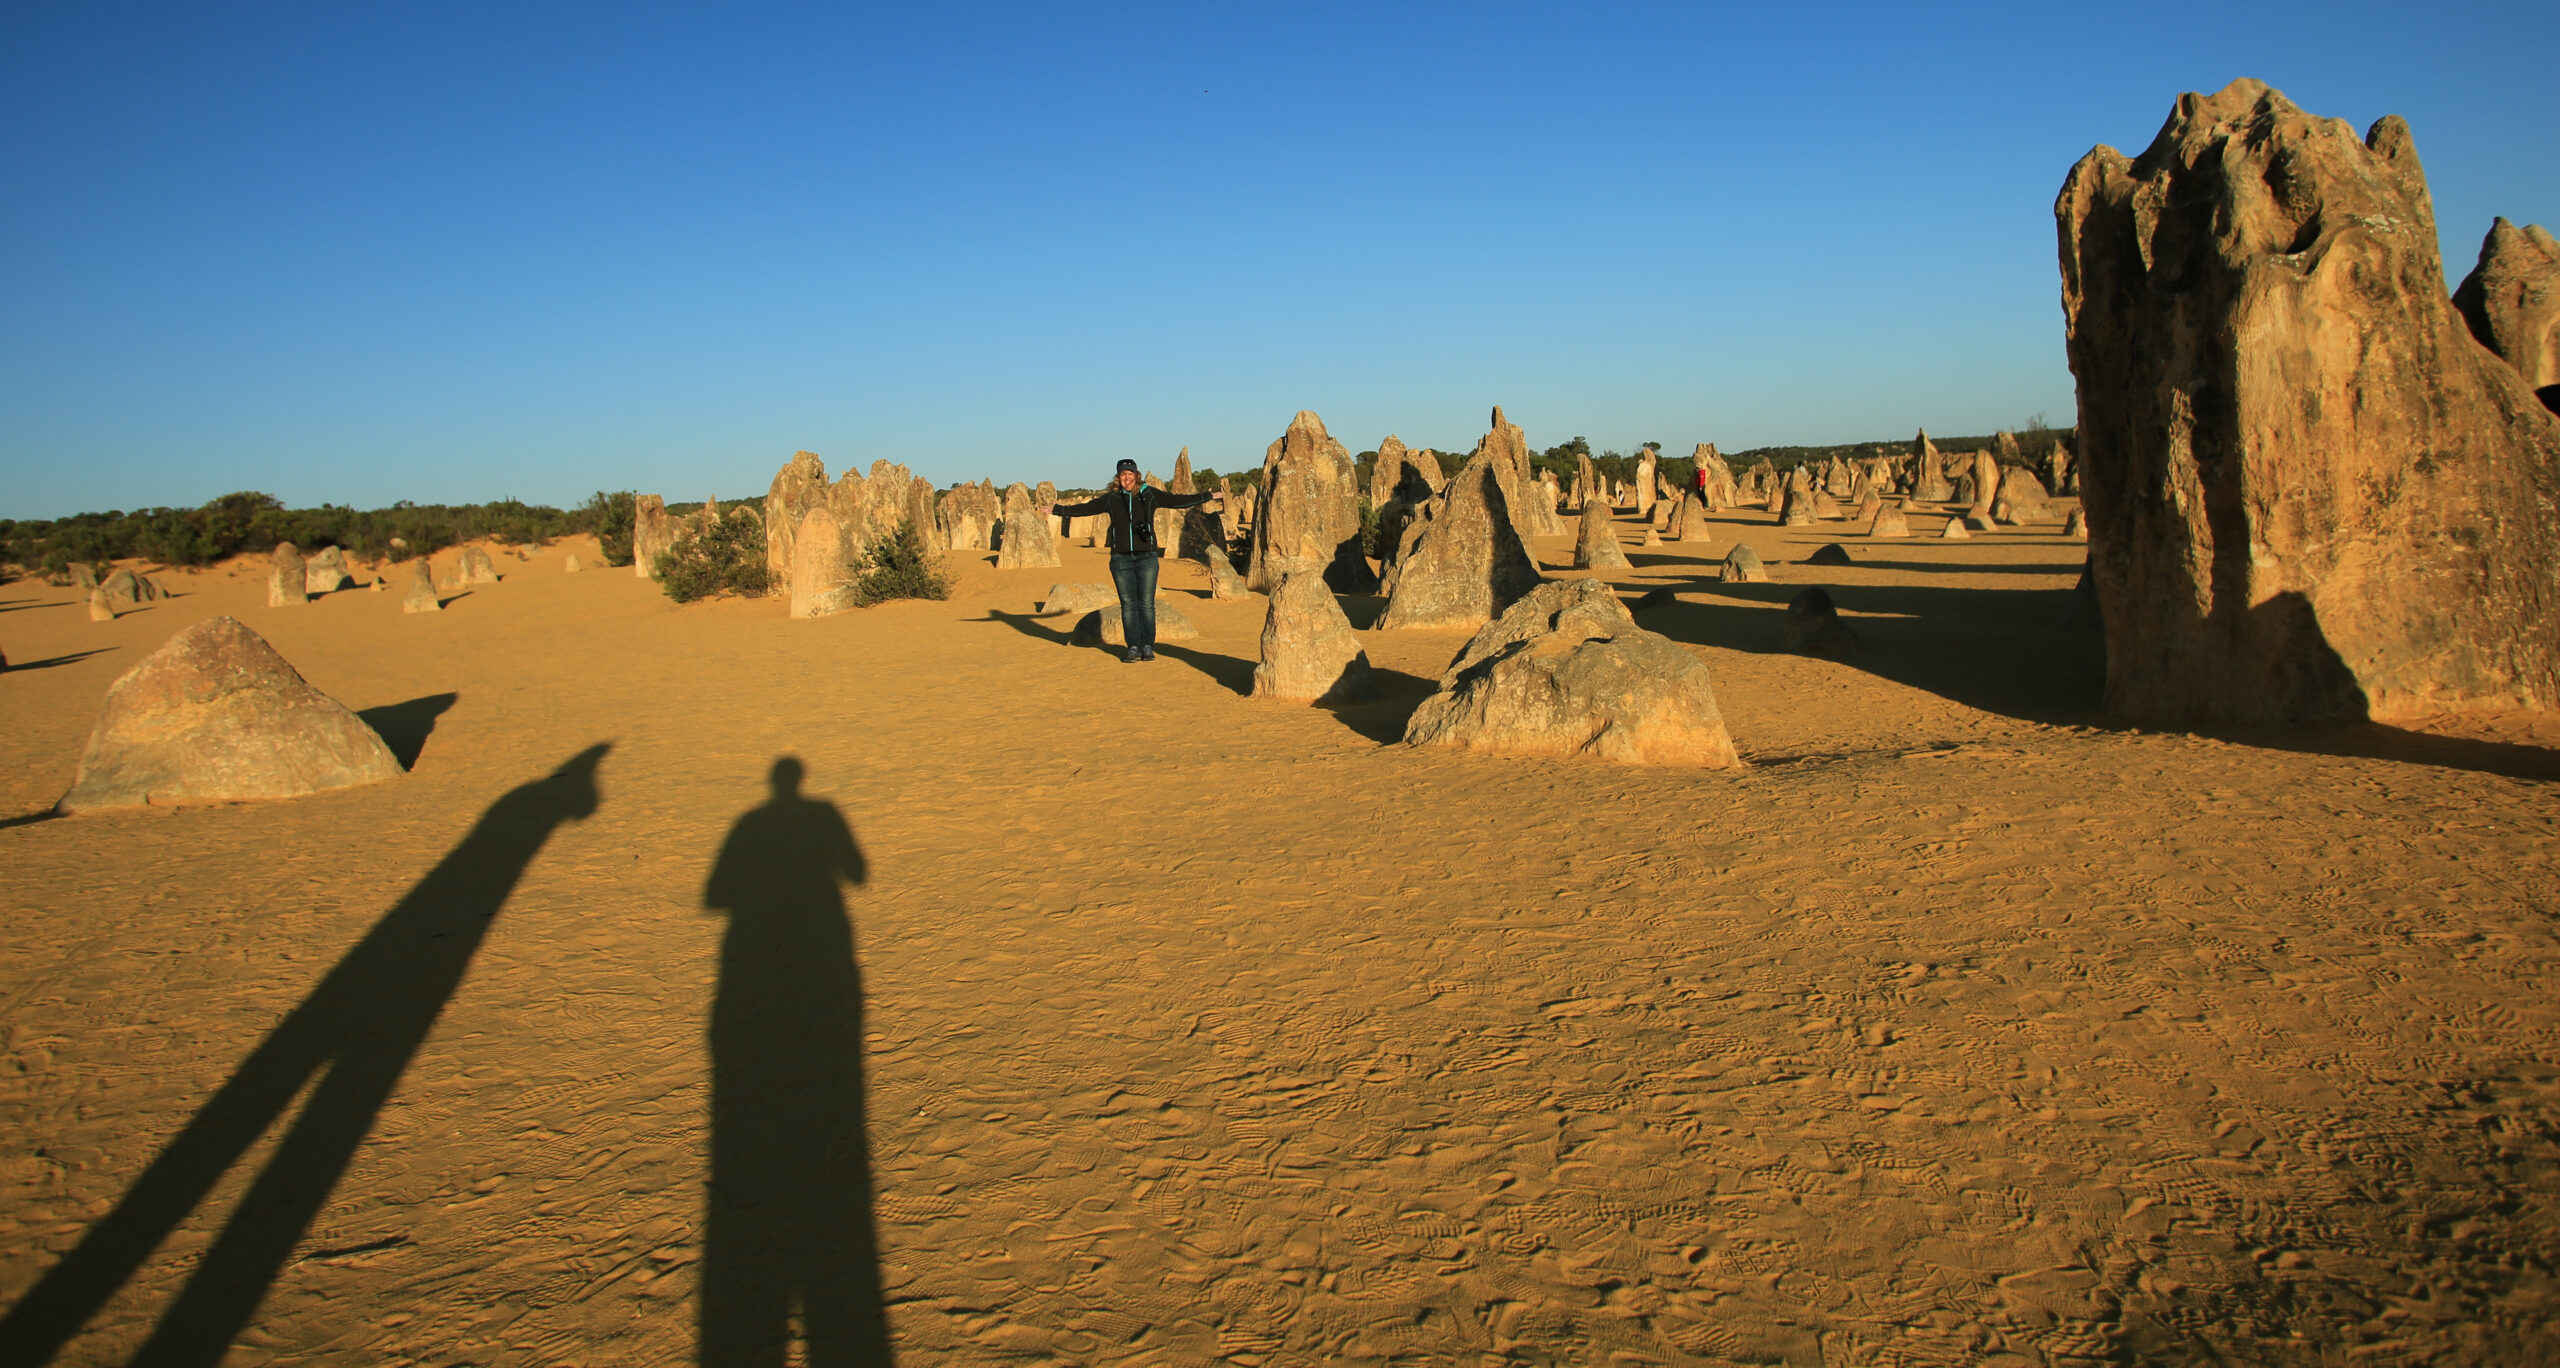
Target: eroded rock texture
<point>1309,652</point>
<point>1461,562</point>
<point>2310,494</point>
<point>1566,671</point>
<point>1309,517</point>
<point>216,715</point>
<point>2511,300</point>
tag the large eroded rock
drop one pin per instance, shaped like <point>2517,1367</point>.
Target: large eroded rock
<point>288,582</point>
<point>1030,538</point>
<point>1566,671</point>
<point>1461,562</point>
<point>799,486</point>
<point>1309,652</point>
<point>216,715</point>
<point>822,573</point>
<point>2310,493</point>
<point>1309,516</point>
<point>2511,300</point>
<point>1595,545</point>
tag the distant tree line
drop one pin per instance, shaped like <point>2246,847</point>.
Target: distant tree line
<point>255,522</point>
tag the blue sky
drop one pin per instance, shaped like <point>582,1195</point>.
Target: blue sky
<point>359,253</point>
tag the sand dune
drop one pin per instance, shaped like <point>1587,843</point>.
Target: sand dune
<point>1959,1028</point>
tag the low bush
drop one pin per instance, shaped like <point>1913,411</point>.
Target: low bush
<point>610,517</point>
<point>901,568</point>
<point>725,558</point>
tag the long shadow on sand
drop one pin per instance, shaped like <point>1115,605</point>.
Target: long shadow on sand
<point>49,662</point>
<point>789,1232</point>
<point>349,1042</point>
<point>2023,653</point>
<point>1381,719</point>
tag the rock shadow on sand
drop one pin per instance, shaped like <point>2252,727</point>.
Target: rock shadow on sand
<point>405,727</point>
<point>348,1042</point>
<point>790,1241</point>
<point>2028,654</point>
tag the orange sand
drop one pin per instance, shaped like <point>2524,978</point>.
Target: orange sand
<point>1958,1029</point>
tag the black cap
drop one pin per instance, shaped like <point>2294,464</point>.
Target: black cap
<point>1125,464</point>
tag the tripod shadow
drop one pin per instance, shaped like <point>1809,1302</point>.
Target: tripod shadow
<point>788,1230</point>
<point>354,1034</point>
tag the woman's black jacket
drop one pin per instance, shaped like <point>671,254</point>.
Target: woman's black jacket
<point>1133,516</point>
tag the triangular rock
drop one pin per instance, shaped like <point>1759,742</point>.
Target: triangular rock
<point>216,715</point>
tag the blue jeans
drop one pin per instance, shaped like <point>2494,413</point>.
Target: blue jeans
<point>1135,578</point>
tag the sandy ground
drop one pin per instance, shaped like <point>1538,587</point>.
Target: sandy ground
<point>1186,1028</point>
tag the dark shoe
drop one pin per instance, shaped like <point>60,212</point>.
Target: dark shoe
<point>1146,653</point>
<point>1134,656</point>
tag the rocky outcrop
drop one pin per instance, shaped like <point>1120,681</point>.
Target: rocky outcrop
<point>1830,553</point>
<point>2310,493</point>
<point>970,515</point>
<point>1646,478</point>
<point>101,608</point>
<point>1533,509</point>
<point>1796,508</point>
<point>327,572</point>
<point>1695,527</point>
<point>475,567</point>
<point>1309,517</point>
<point>1595,545</point>
<point>920,512</point>
<point>1929,483</point>
<point>216,715</point>
<point>822,575</point>
<point>1030,537</point>
<point>652,532</point>
<point>1169,521</point>
<point>1889,522</point>
<point>2511,302</point>
<point>1742,565</point>
<point>799,486</point>
<point>1309,652</point>
<point>1461,562</point>
<point>1567,672</point>
<point>1224,582</point>
<point>1954,530</point>
<point>421,597</point>
<point>2022,499</point>
<point>287,585</point>
<point>1719,487</point>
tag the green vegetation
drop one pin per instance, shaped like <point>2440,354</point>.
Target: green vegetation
<point>725,558</point>
<point>901,568</point>
<point>254,522</point>
<point>610,517</point>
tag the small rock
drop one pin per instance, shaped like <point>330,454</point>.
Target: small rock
<point>1832,554</point>
<point>422,589</point>
<point>1813,625</point>
<point>1309,652</point>
<point>1101,627</point>
<point>1742,565</point>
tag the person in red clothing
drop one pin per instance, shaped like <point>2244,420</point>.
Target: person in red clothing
<point>1135,557</point>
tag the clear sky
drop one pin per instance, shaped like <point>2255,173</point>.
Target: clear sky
<point>356,253</point>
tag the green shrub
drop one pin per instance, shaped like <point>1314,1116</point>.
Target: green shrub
<point>901,568</point>
<point>1368,529</point>
<point>724,558</point>
<point>610,517</point>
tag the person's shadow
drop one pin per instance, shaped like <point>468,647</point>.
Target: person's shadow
<point>788,1230</point>
<point>348,1042</point>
